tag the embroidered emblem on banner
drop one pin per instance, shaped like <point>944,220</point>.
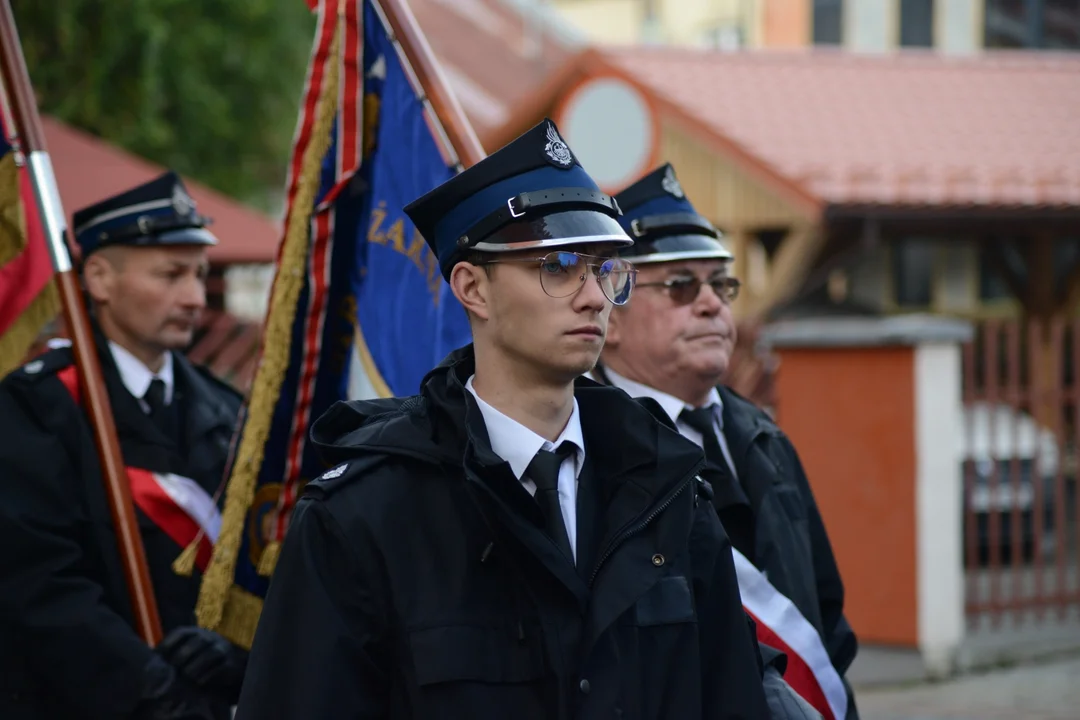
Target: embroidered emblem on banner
<point>556,149</point>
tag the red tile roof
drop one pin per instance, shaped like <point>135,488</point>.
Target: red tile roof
<point>912,128</point>
<point>88,170</point>
<point>493,55</point>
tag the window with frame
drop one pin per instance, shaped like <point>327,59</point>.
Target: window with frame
<point>1051,24</point>
<point>992,287</point>
<point>828,22</point>
<point>913,271</point>
<point>916,23</point>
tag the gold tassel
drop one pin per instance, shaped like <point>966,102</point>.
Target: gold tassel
<point>217,585</point>
<point>268,559</point>
<point>184,564</point>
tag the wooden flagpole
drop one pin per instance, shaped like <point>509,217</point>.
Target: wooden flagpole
<point>30,141</point>
<point>434,86</point>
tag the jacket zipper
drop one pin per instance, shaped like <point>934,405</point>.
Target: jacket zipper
<point>641,525</point>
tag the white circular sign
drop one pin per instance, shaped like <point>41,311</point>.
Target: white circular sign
<point>610,127</point>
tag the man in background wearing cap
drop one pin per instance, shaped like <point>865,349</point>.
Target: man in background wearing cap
<point>508,544</point>
<point>67,644</point>
<point>673,344</point>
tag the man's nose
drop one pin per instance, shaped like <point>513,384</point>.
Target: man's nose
<point>193,293</point>
<point>707,301</point>
<point>590,296</point>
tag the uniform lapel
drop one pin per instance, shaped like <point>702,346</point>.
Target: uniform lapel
<point>206,424</point>
<point>132,423</point>
<point>643,503</point>
<point>588,504</point>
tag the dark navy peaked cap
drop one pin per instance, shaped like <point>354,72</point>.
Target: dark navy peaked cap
<point>160,212</point>
<point>531,193</point>
<point>664,224</point>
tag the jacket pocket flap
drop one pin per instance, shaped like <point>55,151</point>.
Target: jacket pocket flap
<point>488,654</point>
<point>667,602</point>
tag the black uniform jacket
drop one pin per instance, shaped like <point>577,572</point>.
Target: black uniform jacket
<point>416,582</point>
<point>67,647</point>
<point>788,541</point>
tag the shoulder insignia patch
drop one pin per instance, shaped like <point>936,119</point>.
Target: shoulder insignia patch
<point>334,472</point>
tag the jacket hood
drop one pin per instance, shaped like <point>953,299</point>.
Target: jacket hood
<point>622,433</point>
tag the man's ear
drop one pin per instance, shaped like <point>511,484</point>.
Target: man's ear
<point>97,275</point>
<point>471,286</point>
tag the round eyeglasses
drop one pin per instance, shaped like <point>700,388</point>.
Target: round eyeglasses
<point>563,273</point>
<point>684,290</point>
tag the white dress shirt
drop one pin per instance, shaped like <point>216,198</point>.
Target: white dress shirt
<point>517,445</point>
<point>137,377</point>
<point>673,406</point>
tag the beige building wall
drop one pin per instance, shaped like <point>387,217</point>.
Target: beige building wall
<point>696,23</point>
<point>605,22</point>
<point>869,25</point>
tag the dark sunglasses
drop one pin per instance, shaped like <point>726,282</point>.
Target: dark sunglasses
<point>684,290</point>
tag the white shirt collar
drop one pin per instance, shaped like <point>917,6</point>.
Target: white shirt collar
<point>672,405</point>
<point>137,377</point>
<point>517,444</point>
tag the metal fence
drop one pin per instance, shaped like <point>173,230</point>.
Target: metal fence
<point>1022,415</point>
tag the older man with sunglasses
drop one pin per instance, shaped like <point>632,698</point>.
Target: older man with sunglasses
<point>673,344</point>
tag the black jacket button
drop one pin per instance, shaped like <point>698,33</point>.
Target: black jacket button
<point>585,687</point>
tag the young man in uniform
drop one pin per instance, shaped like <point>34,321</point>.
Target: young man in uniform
<point>509,543</point>
<point>673,345</point>
<point>68,648</point>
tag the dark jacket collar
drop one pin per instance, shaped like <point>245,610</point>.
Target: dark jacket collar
<point>627,439</point>
<point>206,408</point>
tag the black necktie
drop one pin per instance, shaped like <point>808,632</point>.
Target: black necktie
<point>703,420</point>
<point>155,400</point>
<point>544,471</point>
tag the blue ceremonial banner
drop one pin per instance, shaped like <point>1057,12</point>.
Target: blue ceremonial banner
<point>373,314</point>
<point>408,320</point>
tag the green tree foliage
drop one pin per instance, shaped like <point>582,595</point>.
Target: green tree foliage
<point>210,88</point>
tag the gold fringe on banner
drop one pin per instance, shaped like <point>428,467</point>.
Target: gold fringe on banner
<point>219,598</point>
<point>17,339</point>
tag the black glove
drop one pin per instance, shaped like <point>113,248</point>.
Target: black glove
<point>168,696</point>
<point>206,659</point>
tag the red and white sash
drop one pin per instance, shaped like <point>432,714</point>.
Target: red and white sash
<point>176,504</point>
<point>780,625</point>
<point>180,507</point>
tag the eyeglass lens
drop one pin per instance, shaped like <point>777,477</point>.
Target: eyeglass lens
<point>563,273</point>
<point>684,291</point>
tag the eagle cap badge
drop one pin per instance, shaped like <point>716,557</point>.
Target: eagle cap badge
<point>182,202</point>
<point>671,185</point>
<point>557,150</point>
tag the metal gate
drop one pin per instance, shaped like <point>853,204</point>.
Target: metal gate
<point>1022,429</point>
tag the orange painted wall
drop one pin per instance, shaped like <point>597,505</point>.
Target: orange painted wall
<point>786,23</point>
<point>851,414</point>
